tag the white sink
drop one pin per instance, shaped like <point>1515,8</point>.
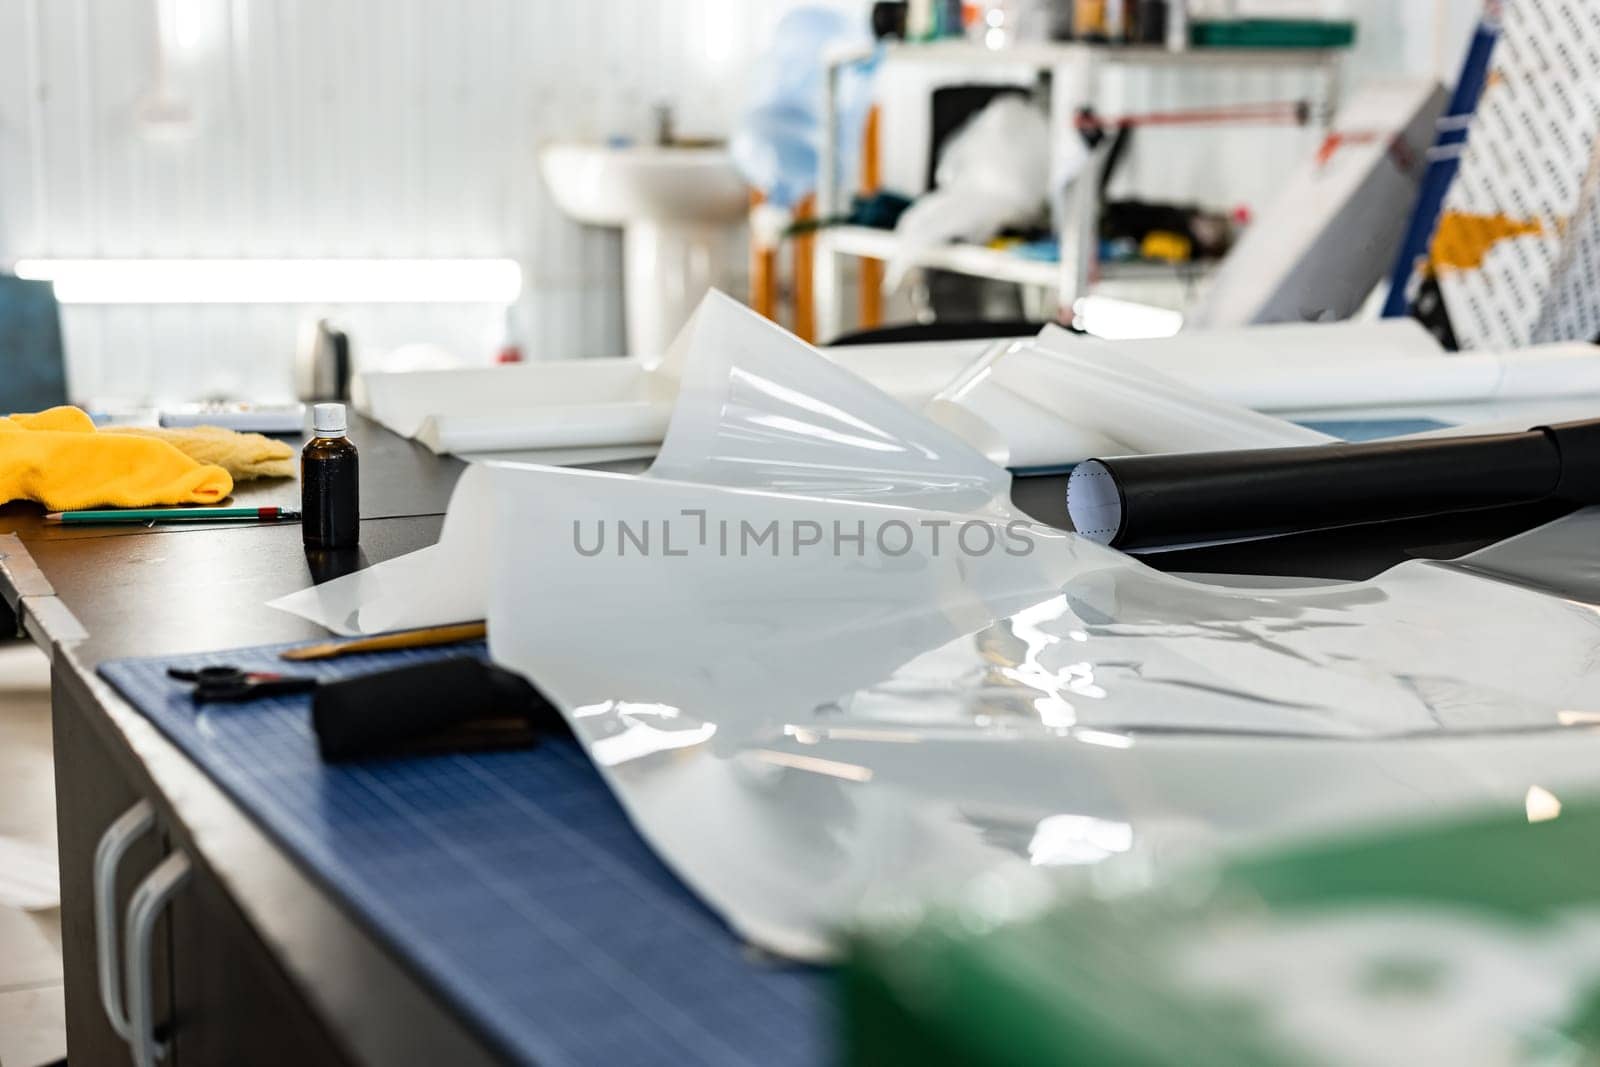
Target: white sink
<point>678,209</point>
<point>616,186</point>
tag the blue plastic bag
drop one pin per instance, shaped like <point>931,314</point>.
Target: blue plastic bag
<point>777,142</point>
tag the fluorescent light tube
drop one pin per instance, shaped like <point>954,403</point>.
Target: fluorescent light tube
<point>278,281</point>
<point>1112,319</point>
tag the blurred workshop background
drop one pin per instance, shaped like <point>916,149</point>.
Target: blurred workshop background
<point>304,131</point>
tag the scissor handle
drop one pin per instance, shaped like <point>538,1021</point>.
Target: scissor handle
<point>228,683</point>
<point>285,684</point>
<point>208,675</point>
<point>245,689</point>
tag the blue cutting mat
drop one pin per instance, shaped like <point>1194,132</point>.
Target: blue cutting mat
<point>1372,429</point>
<point>511,879</point>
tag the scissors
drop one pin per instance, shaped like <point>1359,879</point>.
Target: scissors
<point>213,684</point>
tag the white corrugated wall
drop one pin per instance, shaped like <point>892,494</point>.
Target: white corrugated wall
<point>339,128</point>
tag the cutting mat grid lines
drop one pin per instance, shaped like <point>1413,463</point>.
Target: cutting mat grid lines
<point>511,880</point>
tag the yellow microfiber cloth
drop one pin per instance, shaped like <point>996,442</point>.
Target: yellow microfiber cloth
<point>59,459</point>
<point>246,456</point>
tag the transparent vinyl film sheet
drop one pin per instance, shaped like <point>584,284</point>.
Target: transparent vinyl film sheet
<point>821,662</point>
<point>795,732</point>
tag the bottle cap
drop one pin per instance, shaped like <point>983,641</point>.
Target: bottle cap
<point>328,419</point>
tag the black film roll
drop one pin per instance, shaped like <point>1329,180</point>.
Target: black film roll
<point>1136,502</point>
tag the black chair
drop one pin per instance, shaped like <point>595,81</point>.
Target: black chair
<point>33,374</point>
<point>938,331</point>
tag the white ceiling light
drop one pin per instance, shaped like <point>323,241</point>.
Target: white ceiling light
<point>278,281</point>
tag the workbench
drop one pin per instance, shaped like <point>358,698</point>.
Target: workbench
<point>257,964</point>
<point>256,960</point>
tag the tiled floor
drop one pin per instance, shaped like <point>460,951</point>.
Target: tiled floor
<point>32,1024</point>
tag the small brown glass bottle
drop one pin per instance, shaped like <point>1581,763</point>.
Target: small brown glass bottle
<point>330,487</point>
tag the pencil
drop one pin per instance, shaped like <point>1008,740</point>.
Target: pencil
<point>435,635</point>
<point>177,515</point>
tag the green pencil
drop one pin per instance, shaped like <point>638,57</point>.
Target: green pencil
<point>178,515</point>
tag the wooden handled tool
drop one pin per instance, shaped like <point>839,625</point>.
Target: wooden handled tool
<point>433,635</point>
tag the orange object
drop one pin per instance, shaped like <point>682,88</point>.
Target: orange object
<point>805,303</point>
<point>1089,19</point>
<point>870,310</point>
<point>1462,241</point>
<point>60,460</point>
<point>1335,141</point>
<point>763,272</point>
<point>428,638</point>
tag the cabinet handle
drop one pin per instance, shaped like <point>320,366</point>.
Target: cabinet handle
<point>132,825</point>
<point>144,908</point>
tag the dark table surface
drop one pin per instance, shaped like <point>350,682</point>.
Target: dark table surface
<point>399,478</point>
<point>172,593</point>
<point>184,587</point>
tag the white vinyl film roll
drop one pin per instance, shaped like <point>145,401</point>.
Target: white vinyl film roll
<point>1287,368</point>
<point>580,426</point>
<point>532,392</point>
